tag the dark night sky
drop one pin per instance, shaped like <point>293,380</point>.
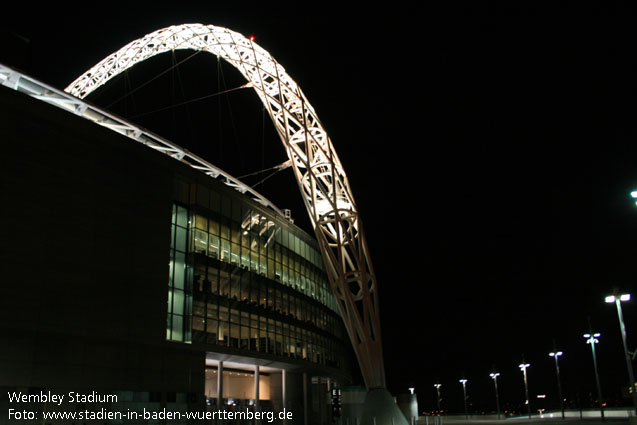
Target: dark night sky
<point>491,153</point>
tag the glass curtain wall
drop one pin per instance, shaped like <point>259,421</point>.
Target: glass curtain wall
<point>179,279</point>
<point>258,283</point>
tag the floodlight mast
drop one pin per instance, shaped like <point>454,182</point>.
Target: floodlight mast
<point>523,368</point>
<point>318,171</point>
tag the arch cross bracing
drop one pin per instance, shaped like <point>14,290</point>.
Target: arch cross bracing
<point>319,173</point>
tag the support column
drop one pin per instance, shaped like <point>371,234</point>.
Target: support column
<point>305,412</point>
<point>283,391</point>
<point>256,387</point>
<point>321,403</point>
<point>328,398</point>
<point>220,384</point>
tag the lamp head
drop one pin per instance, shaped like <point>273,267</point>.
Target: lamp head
<point>592,339</point>
<point>613,298</point>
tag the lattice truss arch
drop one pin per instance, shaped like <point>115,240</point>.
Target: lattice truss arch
<point>319,173</point>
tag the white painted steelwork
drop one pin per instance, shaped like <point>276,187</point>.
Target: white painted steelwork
<point>18,81</point>
<point>319,173</point>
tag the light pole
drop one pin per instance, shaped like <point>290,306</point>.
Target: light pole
<point>464,393</point>
<point>494,376</point>
<point>592,340</point>
<point>438,392</point>
<point>617,299</point>
<point>523,367</point>
<point>556,355</point>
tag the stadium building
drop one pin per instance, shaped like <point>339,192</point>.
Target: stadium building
<point>126,271</point>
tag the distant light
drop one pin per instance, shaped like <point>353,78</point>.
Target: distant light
<point>559,353</point>
<point>592,339</point>
<point>463,381</point>
<point>411,390</point>
<point>252,39</point>
<point>494,375</point>
<point>437,385</point>
<point>634,194</point>
<point>625,297</point>
<point>610,299</point>
<point>541,396</point>
<point>524,366</point>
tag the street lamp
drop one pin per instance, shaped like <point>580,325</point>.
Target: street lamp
<point>494,376</point>
<point>556,355</point>
<point>617,299</point>
<point>438,392</point>
<point>523,367</point>
<point>464,393</point>
<point>592,340</point>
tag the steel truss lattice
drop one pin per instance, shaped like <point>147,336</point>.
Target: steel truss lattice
<point>319,173</point>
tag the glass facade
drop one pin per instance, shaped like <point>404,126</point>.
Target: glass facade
<point>179,282</point>
<point>244,278</point>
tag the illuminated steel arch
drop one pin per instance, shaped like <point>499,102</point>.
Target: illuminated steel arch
<point>319,173</point>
